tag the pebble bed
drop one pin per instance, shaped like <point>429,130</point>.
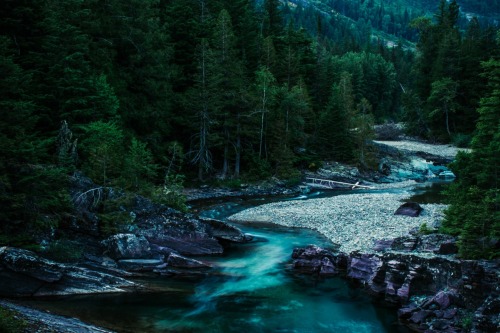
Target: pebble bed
<point>353,221</point>
<point>447,151</point>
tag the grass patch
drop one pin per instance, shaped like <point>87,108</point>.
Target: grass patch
<point>10,322</point>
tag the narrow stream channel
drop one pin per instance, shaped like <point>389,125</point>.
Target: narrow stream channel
<point>253,291</point>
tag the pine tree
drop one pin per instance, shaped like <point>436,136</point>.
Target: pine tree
<point>474,213</point>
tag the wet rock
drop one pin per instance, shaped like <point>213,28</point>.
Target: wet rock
<point>450,313</point>
<point>446,248</point>
<point>176,260</point>
<point>182,233</point>
<point>30,264</point>
<point>418,317</point>
<point>139,265</point>
<point>314,259</point>
<point>487,318</point>
<point>383,245</point>
<point>127,246</point>
<point>405,243</point>
<point>412,209</point>
<point>24,273</point>
<point>41,321</point>
<point>364,267</point>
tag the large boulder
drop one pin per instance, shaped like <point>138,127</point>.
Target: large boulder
<point>182,233</point>
<point>127,246</point>
<point>412,209</point>
<point>24,273</point>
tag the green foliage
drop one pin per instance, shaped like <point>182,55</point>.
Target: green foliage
<point>139,168</point>
<point>474,212</point>
<point>461,140</point>
<point>113,218</point>
<point>103,146</point>
<point>467,320</point>
<point>64,250</point>
<point>257,168</point>
<point>170,193</point>
<point>10,321</point>
<point>425,230</point>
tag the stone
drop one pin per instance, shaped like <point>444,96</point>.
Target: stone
<point>24,273</point>
<point>127,246</point>
<point>30,264</point>
<point>176,260</point>
<point>314,259</point>
<point>442,299</point>
<point>419,317</point>
<point>382,245</point>
<point>139,265</point>
<point>412,209</point>
<point>440,324</point>
<point>407,312</point>
<point>447,248</point>
<point>449,313</point>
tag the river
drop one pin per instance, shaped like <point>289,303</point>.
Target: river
<point>253,290</point>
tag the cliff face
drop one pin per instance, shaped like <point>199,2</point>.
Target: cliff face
<point>433,292</point>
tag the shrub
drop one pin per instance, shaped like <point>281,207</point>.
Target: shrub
<point>461,140</point>
<point>64,250</point>
<point>388,132</point>
<point>170,193</point>
<point>10,323</point>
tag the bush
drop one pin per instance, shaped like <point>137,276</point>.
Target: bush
<point>10,323</point>
<point>64,250</point>
<point>425,230</point>
<point>170,193</point>
<point>388,132</point>
<point>461,140</point>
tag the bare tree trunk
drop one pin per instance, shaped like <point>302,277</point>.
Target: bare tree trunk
<point>238,149</point>
<point>447,120</point>
<point>225,164</point>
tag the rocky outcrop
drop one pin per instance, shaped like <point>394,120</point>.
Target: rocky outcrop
<point>179,232</point>
<point>24,273</point>
<point>315,260</point>
<point>147,224</point>
<point>44,322</point>
<point>434,292</point>
<point>128,246</point>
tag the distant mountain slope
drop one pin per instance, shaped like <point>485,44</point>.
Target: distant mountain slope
<point>386,20</point>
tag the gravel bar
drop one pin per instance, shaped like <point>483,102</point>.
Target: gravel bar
<point>353,221</point>
<point>447,151</point>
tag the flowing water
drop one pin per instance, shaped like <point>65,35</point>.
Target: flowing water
<point>253,291</point>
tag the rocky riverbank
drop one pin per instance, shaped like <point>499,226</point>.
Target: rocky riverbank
<point>434,293</point>
<point>354,222</point>
<point>32,320</point>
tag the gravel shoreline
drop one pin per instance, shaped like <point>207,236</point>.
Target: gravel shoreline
<point>447,151</point>
<point>354,221</point>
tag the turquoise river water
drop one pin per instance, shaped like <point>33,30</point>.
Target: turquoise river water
<point>253,291</point>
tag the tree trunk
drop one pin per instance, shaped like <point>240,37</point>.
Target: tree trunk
<point>237,160</point>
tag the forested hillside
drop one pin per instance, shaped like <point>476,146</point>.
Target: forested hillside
<point>142,94</point>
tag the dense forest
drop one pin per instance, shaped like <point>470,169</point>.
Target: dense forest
<point>145,95</point>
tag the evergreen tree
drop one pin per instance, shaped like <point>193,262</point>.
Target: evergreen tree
<point>335,138</point>
<point>474,213</point>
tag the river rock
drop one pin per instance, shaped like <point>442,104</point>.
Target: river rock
<point>314,259</point>
<point>139,265</point>
<point>183,233</point>
<point>412,209</point>
<point>44,322</point>
<point>127,246</point>
<point>24,273</point>
<point>176,260</point>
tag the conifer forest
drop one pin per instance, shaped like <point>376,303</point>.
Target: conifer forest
<point>153,96</point>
